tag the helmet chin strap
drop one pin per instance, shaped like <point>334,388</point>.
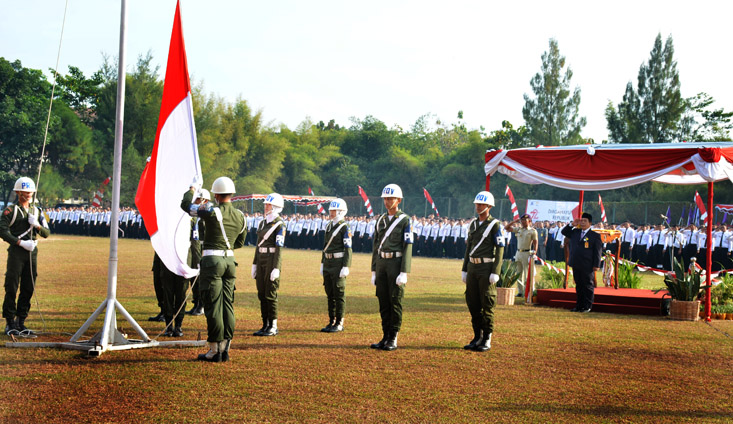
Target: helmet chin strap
<point>483,210</point>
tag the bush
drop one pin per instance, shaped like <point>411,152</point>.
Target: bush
<point>551,279</point>
<point>628,277</point>
<point>722,294</point>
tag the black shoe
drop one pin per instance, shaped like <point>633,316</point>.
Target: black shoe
<point>177,332</point>
<point>22,329</point>
<point>261,331</point>
<point>225,352</point>
<point>270,331</point>
<point>584,311</point>
<point>338,326</point>
<point>476,338</point>
<point>391,343</point>
<point>215,358</point>
<point>484,344</point>
<point>158,318</point>
<point>575,309</point>
<point>198,311</point>
<point>327,328</point>
<point>10,329</point>
<point>380,344</point>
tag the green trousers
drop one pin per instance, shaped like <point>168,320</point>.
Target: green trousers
<point>480,298</point>
<point>267,289</point>
<point>389,293</point>
<point>335,287</point>
<point>218,275</point>
<point>18,275</point>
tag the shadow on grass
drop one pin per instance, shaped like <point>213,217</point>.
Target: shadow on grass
<point>609,411</point>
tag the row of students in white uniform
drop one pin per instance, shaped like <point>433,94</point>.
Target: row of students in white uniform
<point>91,221</point>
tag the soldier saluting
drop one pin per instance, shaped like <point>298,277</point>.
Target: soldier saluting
<point>335,263</point>
<point>391,260</point>
<point>480,271</point>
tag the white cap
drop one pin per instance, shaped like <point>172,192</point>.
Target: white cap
<point>25,184</point>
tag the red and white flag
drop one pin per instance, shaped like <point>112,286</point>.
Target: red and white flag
<point>603,210</point>
<point>173,164</point>
<point>366,201</point>
<point>701,206</point>
<point>99,194</point>
<point>430,199</point>
<point>320,207</point>
<point>515,211</point>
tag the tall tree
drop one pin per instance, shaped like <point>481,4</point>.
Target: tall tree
<point>701,122</point>
<point>652,112</point>
<point>551,117</point>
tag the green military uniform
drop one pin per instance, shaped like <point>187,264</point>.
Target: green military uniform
<point>336,255</point>
<point>392,255</point>
<point>218,268</point>
<point>525,236</point>
<point>21,271</point>
<point>479,263</point>
<point>268,256</point>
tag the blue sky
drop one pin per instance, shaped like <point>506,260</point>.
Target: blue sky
<point>395,60</point>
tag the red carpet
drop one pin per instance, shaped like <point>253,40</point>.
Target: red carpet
<point>607,299</point>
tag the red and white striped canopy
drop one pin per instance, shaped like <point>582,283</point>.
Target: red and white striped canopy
<point>610,166</point>
<point>724,208</point>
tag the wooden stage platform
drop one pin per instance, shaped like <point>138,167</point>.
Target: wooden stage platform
<point>607,299</point>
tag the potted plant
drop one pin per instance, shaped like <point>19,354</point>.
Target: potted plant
<point>509,275</point>
<point>684,289</point>
<point>716,312</point>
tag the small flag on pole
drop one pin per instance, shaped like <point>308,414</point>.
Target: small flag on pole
<point>320,207</point>
<point>99,194</point>
<point>366,201</point>
<point>701,206</point>
<point>430,199</point>
<point>515,211</point>
<point>603,210</point>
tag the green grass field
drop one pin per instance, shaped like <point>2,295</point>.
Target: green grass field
<point>545,365</point>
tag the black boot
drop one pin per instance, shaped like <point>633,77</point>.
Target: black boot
<point>261,331</point>
<point>158,318</point>
<point>20,326</point>
<point>380,344</point>
<point>476,338</point>
<point>224,349</point>
<point>484,344</point>
<point>338,325</point>
<point>10,327</point>
<point>213,355</point>
<point>327,329</point>
<point>271,329</point>
<point>391,343</point>
<point>168,328</point>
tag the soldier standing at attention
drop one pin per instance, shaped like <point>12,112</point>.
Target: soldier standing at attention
<point>335,263</point>
<point>391,260</point>
<point>267,262</point>
<point>480,271</point>
<point>527,240</point>
<point>226,231</point>
<point>18,226</point>
<point>198,232</point>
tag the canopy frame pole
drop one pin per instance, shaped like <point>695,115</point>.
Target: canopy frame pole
<point>709,252</point>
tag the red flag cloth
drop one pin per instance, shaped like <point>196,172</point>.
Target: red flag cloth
<point>576,212</point>
<point>366,201</point>
<point>603,210</point>
<point>99,194</point>
<point>430,199</point>
<point>515,211</point>
<point>701,206</point>
<point>320,207</point>
<point>173,163</point>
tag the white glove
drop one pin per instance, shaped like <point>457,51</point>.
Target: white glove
<point>401,279</point>
<point>321,270</point>
<point>196,184</point>
<point>374,278</point>
<point>493,278</point>
<point>254,271</point>
<point>275,274</point>
<point>464,275</point>
<point>33,221</point>
<point>344,272</point>
<point>28,245</point>
<point>532,252</point>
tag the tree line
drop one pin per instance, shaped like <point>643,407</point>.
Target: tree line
<point>444,157</point>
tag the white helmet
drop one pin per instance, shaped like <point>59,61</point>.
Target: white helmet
<point>485,198</point>
<point>338,205</point>
<point>392,190</point>
<point>25,184</point>
<point>223,185</point>
<point>275,200</point>
<point>205,194</point>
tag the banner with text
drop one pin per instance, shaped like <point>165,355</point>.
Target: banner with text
<point>548,210</point>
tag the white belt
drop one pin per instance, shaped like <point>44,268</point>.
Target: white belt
<point>336,255</point>
<point>390,255</point>
<point>212,252</point>
<point>481,260</point>
<point>267,249</point>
